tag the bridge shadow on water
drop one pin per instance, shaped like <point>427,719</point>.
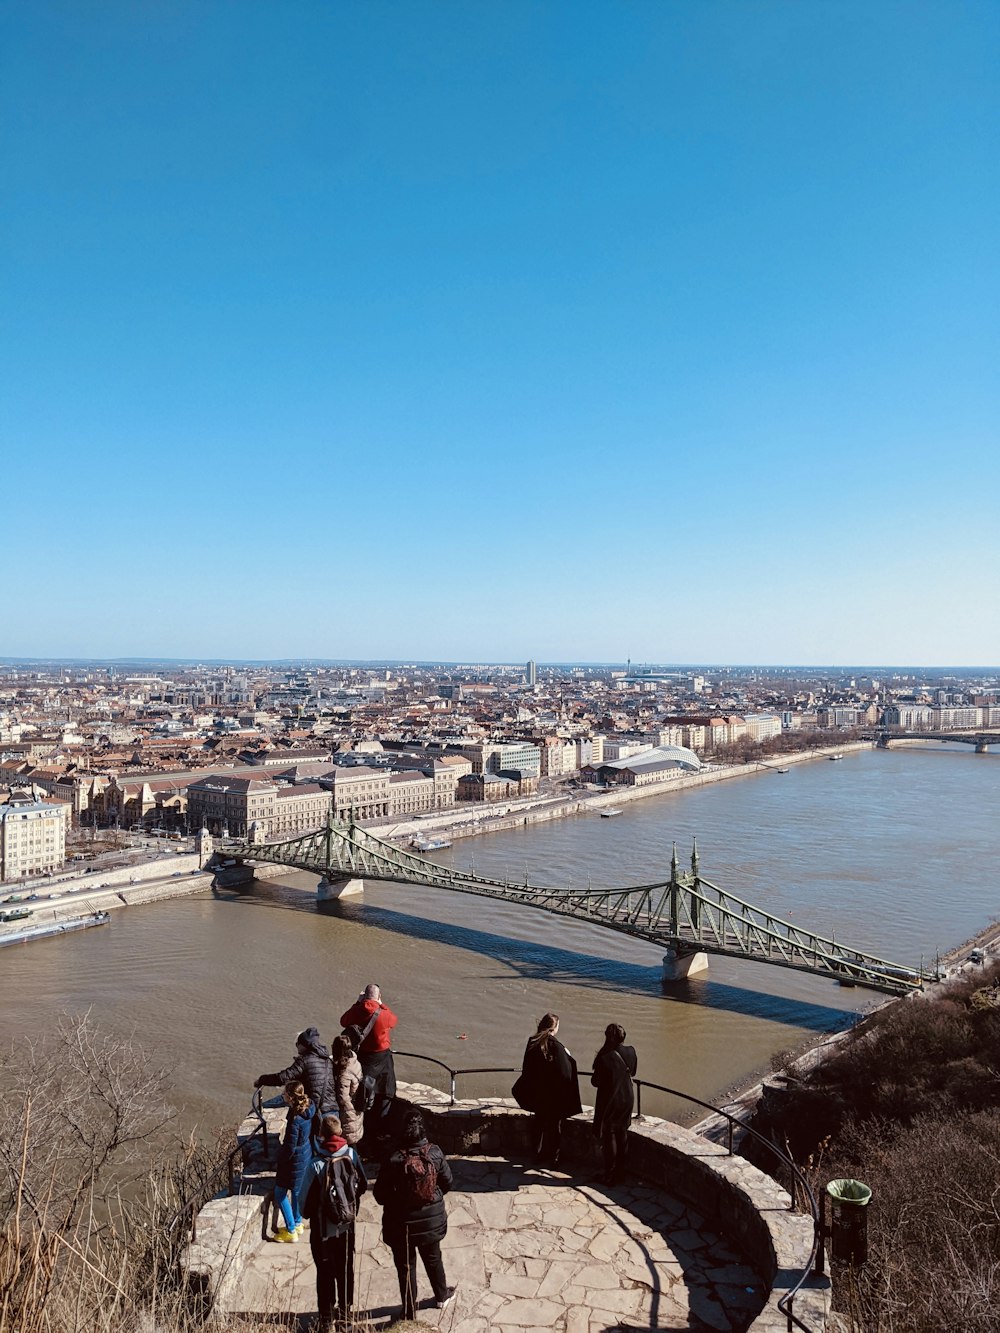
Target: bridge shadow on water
<point>534,961</point>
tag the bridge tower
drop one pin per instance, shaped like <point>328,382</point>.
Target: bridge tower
<point>680,963</point>
<point>335,884</point>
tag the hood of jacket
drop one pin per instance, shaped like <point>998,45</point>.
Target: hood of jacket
<point>333,1147</point>
<point>310,1042</point>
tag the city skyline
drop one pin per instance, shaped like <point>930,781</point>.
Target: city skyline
<point>480,333</point>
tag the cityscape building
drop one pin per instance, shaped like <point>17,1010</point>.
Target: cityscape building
<point>32,835</point>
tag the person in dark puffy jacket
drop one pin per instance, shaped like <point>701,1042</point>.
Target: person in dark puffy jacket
<point>312,1068</point>
<point>614,1069</point>
<point>294,1156</point>
<point>409,1224</point>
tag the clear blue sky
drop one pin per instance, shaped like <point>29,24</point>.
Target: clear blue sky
<point>502,329</point>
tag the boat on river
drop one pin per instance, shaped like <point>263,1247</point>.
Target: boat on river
<point>834,757</point>
<point>40,932</point>
<point>609,814</point>
<point>429,844</point>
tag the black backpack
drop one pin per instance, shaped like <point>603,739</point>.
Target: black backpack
<point>419,1176</point>
<point>339,1196</point>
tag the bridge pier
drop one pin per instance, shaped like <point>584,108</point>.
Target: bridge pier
<point>342,887</point>
<point>679,966</point>
<point>231,876</point>
<point>982,747</point>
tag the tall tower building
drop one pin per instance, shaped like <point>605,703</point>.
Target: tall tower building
<point>531,674</point>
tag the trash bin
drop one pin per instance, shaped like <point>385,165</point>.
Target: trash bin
<point>849,1222</point>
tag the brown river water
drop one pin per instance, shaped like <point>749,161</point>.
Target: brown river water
<point>896,853</point>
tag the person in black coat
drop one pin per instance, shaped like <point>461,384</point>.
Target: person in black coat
<point>548,1086</point>
<point>313,1069</point>
<point>614,1069</point>
<point>411,1224</point>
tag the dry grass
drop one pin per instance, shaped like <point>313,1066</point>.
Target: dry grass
<point>911,1105</point>
<point>96,1196</point>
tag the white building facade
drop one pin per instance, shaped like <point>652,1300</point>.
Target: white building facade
<point>32,836</point>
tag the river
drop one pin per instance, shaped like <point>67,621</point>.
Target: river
<point>894,852</point>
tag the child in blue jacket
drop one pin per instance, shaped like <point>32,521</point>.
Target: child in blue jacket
<point>294,1156</point>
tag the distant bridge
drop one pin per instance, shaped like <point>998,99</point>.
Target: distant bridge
<point>686,914</point>
<point>982,740</point>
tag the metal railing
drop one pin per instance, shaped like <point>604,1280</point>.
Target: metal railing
<point>261,1132</point>
<point>799,1182</point>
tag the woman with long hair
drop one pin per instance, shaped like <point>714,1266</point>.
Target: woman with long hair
<point>548,1087</point>
<point>614,1069</point>
<point>347,1077</point>
<point>294,1156</point>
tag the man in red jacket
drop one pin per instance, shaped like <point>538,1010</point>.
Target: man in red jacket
<point>375,1055</point>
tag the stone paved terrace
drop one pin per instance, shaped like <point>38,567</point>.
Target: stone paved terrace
<point>694,1239</point>
<point>533,1248</point>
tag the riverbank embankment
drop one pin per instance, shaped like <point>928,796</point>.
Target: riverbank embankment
<point>466,822</point>
<point>742,1100</point>
<point>127,886</point>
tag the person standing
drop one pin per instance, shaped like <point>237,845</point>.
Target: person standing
<point>347,1080</point>
<point>311,1067</point>
<point>374,1021</point>
<point>411,1186</point>
<point>293,1159</point>
<point>548,1086</point>
<point>614,1069</point>
<point>334,1182</point>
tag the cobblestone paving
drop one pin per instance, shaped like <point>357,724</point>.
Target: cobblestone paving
<point>532,1249</point>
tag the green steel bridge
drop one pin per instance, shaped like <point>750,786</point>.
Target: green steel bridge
<point>686,914</point>
<point>981,738</point>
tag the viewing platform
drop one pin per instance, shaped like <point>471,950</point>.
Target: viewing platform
<point>693,1239</point>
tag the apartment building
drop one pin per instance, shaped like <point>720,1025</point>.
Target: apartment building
<point>624,748</point>
<point>670,734</point>
<point>503,756</point>
<point>762,726</point>
<point>32,835</point>
<point>558,756</point>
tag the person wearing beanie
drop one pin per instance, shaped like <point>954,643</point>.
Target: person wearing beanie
<point>312,1068</point>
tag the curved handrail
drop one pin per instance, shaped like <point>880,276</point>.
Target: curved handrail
<point>815,1264</point>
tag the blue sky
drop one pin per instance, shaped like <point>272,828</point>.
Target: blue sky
<point>493,330</point>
